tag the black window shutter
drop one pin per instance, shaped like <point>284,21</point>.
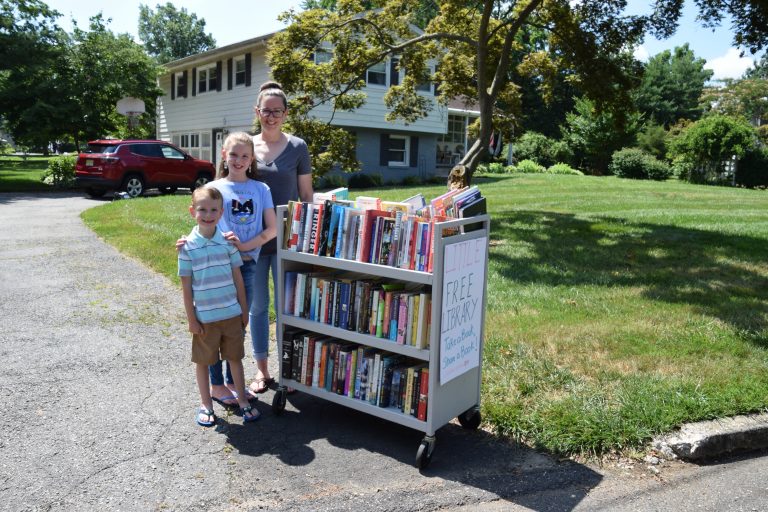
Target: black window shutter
<point>384,149</point>
<point>229,74</point>
<point>394,75</point>
<point>436,89</point>
<point>173,86</point>
<point>414,156</point>
<point>219,78</point>
<point>247,69</point>
<point>184,76</point>
<point>194,81</point>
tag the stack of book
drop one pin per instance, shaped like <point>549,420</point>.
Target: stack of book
<point>367,229</point>
<point>378,377</point>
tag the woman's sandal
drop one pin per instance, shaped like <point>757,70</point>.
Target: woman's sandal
<point>203,412</point>
<point>262,385</point>
<point>253,415</point>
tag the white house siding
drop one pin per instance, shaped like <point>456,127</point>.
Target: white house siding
<point>232,110</point>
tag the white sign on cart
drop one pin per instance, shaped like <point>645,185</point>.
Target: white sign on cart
<point>462,303</point>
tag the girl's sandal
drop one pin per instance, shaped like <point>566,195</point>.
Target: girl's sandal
<point>202,412</point>
<point>249,414</point>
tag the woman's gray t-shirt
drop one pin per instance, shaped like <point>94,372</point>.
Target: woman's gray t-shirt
<point>281,175</point>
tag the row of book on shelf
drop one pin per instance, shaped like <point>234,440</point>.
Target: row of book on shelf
<point>380,378</point>
<point>389,310</point>
<point>392,233</point>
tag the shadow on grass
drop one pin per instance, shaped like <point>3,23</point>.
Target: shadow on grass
<point>716,273</point>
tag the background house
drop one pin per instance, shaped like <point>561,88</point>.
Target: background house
<point>210,94</point>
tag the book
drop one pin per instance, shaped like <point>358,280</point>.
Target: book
<point>291,227</point>
<point>289,292</point>
<point>477,207</point>
<point>286,353</point>
<point>317,360</point>
<point>323,363</point>
<point>384,247</point>
<point>315,228</point>
<point>373,388</point>
<point>422,338</point>
<point>307,226</point>
<point>415,203</point>
<point>421,407</point>
<point>331,195</point>
<point>368,203</point>
<point>388,363</point>
<point>296,357</point>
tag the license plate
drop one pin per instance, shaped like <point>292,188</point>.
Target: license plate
<point>89,162</point>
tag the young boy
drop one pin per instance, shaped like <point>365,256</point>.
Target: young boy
<point>214,299</point>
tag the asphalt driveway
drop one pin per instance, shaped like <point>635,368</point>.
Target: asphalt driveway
<point>98,405</point>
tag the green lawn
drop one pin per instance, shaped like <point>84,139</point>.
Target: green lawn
<point>617,309</point>
<point>22,175</point>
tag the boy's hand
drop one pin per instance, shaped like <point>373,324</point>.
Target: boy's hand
<point>196,327</point>
<point>244,317</point>
<point>180,243</point>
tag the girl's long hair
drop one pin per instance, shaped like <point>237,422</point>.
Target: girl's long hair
<point>222,171</point>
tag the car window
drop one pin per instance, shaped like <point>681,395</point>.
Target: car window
<point>169,152</point>
<point>101,148</point>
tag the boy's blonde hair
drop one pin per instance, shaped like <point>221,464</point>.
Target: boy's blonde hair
<point>207,192</point>
<point>236,138</point>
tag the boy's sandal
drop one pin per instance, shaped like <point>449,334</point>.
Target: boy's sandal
<point>203,412</point>
<point>252,414</point>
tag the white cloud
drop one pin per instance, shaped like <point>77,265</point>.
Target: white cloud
<point>641,54</point>
<point>729,65</point>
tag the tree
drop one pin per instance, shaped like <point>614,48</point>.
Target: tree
<point>671,86</point>
<point>759,68</point>
<point>170,34</point>
<point>595,134</point>
<point>747,98</point>
<point>472,43</point>
<point>702,149</point>
<point>104,67</point>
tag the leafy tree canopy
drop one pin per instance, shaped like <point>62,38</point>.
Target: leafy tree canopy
<point>472,44</point>
<point>171,34</point>
<point>747,98</point>
<point>27,29</point>
<point>672,84</point>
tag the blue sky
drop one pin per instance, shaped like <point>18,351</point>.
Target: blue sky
<point>231,21</point>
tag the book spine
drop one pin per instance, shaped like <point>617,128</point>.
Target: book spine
<point>312,246</point>
<point>286,356</point>
<point>421,409</point>
<point>374,388</point>
<point>402,319</point>
<point>323,364</point>
<point>415,392</point>
<point>296,358</point>
<point>380,314</point>
<point>316,366</point>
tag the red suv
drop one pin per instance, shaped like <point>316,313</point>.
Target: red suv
<point>134,166</point>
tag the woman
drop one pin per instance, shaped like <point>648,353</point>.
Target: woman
<point>283,163</point>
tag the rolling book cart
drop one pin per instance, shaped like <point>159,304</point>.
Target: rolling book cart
<point>453,355</point>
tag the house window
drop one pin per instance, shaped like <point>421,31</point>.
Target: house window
<point>451,146</point>
<point>377,74</point>
<point>181,85</point>
<point>207,78</point>
<point>322,56</point>
<point>240,71</point>
<point>398,150</point>
<point>197,144</point>
<point>425,86</point>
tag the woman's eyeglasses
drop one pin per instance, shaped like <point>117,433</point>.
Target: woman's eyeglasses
<point>277,114</point>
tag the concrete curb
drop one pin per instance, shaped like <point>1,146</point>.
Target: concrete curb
<point>706,440</point>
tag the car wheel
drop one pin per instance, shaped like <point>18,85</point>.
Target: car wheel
<point>167,190</point>
<point>95,192</point>
<point>201,180</point>
<point>133,185</point>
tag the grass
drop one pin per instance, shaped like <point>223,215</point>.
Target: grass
<point>617,309</point>
<point>22,175</point>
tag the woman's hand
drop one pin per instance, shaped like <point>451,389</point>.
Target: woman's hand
<point>180,243</point>
<point>232,237</point>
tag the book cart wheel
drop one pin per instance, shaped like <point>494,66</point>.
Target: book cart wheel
<point>278,402</point>
<point>424,453</point>
<point>470,419</point>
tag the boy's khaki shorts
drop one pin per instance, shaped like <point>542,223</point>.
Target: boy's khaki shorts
<point>221,340</point>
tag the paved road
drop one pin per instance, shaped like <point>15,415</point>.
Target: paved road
<point>98,402</point>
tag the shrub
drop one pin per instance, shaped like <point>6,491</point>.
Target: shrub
<point>60,172</point>
<point>410,181</point>
<point>496,167</point>
<point>637,164</point>
<point>360,180</point>
<point>752,170</point>
<point>332,181</point>
<point>541,149</point>
<point>529,167</point>
<point>561,168</point>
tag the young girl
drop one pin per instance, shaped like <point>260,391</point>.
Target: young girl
<point>249,222</point>
<point>283,163</point>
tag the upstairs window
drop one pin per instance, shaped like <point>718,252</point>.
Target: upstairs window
<point>240,71</point>
<point>207,78</point>
<point>377,74</point>
<point>181,84</point>
<point>322,56</point>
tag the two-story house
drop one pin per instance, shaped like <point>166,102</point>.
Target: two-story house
<point>212,93</point>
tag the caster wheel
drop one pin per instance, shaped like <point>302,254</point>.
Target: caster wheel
<point>470,419</point>
<point>278,402</point>
<point>424,454</point>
